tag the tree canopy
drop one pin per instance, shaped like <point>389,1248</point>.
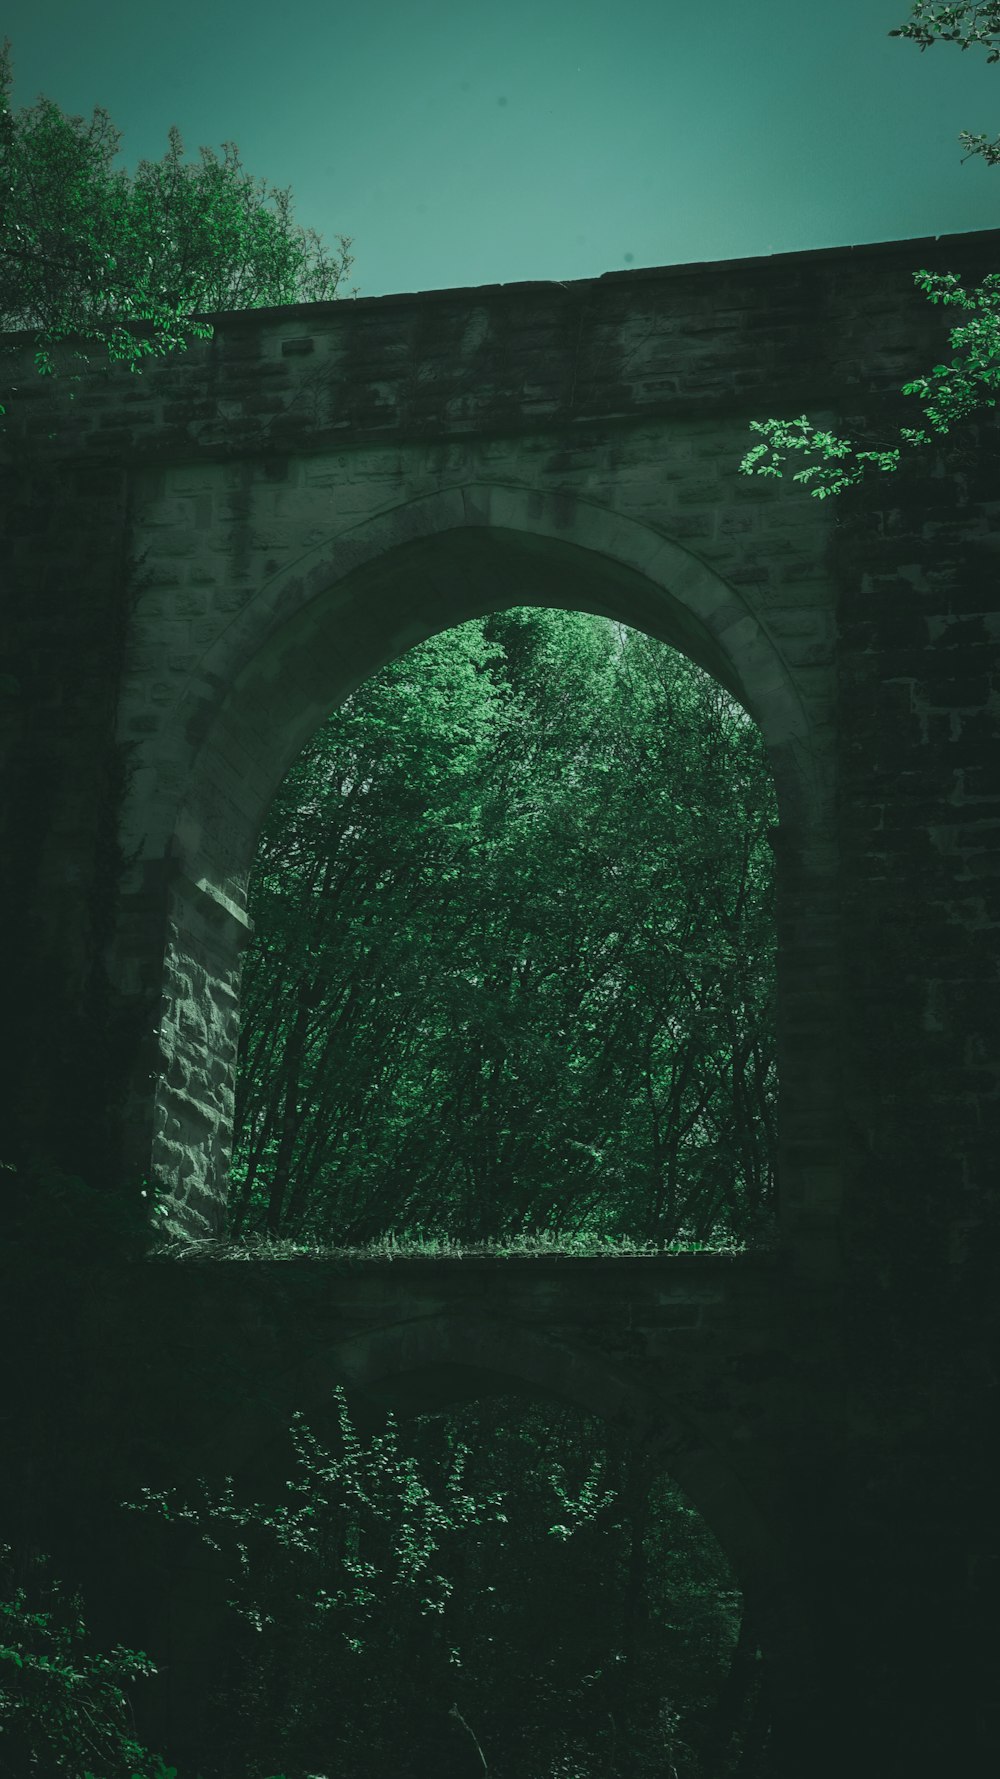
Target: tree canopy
<point>88,251</point>
<point>513,967</point>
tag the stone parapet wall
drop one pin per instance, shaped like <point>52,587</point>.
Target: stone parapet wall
<point>827,327</point>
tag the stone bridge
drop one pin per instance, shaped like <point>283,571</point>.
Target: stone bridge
<point>198,564</point>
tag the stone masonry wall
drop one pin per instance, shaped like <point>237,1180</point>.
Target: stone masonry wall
<point>197,563</point>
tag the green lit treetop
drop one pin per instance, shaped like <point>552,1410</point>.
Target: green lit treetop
<point>950,392</point>
<point>88,252</point>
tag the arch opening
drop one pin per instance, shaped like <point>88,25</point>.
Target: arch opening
<point>331,625</point>
<point>541,846</point>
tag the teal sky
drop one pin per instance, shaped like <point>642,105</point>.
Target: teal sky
<point>464,142</point>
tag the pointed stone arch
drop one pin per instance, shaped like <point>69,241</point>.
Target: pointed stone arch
<point>354,602</point>
<point>303,641</point>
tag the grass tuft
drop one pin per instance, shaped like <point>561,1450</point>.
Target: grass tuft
<point>394,1247</point>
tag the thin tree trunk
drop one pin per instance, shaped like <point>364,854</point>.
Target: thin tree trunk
<point>291,1073</point>
<point>733,1696</point>
<point>755,1736</point>
<point>635,1501</point>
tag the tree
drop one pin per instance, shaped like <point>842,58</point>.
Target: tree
<point>90,252</point>
<point>510,1577</point>
<point>950,392</point>
<point>62,1708</point>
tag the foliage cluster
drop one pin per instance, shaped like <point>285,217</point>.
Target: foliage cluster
<point>507,1579</point>
<point>950,392</point>
<point>577,1619</point>
<point>62,1709</point>
<point>87,251</point>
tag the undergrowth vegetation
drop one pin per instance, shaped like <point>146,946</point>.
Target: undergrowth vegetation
<point>402,1247</point>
